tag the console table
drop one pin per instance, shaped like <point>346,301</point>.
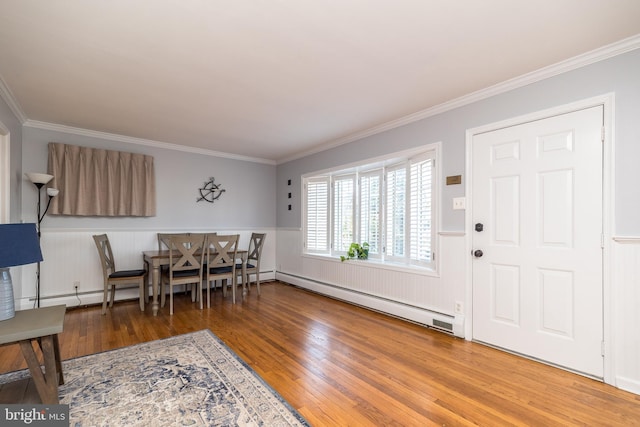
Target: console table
<point>40,326</point>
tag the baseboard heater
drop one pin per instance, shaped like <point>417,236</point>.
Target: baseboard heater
<point>440,321</point>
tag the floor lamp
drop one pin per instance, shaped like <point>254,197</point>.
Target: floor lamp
<point>39,180</point>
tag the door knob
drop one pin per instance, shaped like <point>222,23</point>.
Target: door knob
<point>479,227</point>
<point>477,253</point>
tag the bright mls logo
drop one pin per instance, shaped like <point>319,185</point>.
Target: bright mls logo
<point>34,415</point>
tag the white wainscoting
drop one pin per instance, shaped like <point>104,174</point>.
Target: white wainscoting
<point>71,256</point>
<point>626,312</point>
<point>408,294</point>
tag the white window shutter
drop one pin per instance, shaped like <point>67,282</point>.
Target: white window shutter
<point>371,211</point>
<point>396,211</point>
<point>420,195</point>
<point>317,212</point>
<point>343,212</point>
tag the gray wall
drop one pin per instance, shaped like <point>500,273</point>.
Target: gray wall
<point>247,203</point>
<point>9,121</point>
<point>619,74</point>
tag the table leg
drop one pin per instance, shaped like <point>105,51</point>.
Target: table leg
<point>155,283</point>
<point>56,352</point>
<point>245,285</point>
<point>46,383</point>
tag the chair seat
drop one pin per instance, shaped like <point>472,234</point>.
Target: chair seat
<point>239,266</point>
<point>186,273</point>
<point>220,270</point>
<point>126,273</point>
<point>112,277</point>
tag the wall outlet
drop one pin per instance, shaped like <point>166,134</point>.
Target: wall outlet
<point>459,203</point>
<point>459,307</point>
<point>76,285</point>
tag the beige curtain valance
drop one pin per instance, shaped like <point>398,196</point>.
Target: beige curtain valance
<point>95,182</point>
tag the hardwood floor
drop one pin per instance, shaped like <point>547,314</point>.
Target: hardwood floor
<point>341,365</point>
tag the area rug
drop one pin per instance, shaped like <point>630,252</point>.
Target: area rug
<point>187,380</point>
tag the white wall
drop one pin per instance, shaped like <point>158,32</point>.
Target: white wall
<point>626,306</point>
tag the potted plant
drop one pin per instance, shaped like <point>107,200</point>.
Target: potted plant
<point>356,251</point>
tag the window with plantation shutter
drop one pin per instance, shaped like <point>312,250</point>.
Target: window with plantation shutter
<point>388,203</point>
<point>343,212</point>
<point>396,211</point>
<point>420,205</point>
<point>371,211</point>
<point>317,215</point>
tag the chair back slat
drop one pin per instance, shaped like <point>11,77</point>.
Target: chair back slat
<point>222,250</point>
<point>106,254</point>
<point>256,243</point>
<point>163,239</point>
<point>255,246</point>
<point>186,252</point>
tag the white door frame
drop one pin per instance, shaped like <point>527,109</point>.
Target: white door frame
<point>607,101</point>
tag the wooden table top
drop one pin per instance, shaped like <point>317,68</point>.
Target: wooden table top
<point>32,323</point>
<point>165,253</point>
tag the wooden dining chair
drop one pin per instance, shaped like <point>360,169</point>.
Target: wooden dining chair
<point>163,239</point>
<point>253,260</point>
<point>222,252</point>
<point>185,264</point>
<point>163,245</point>
<point>113,277</point>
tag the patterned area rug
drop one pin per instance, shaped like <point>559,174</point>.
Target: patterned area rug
<point>186,380</point>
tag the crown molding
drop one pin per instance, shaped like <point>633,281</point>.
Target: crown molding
<point>140,141</point>
<point>606,52</point>
<point>7,96</point>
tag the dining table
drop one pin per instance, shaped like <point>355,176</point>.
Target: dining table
<point>157,259</point>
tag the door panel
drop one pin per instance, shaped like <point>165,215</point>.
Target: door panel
<point>556,302</point>
<point>505,289</point>
<point>555,207</point>
<point>506,216</point>
<point>537,288</point>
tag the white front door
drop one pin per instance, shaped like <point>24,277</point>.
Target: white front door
<point>538,283</point>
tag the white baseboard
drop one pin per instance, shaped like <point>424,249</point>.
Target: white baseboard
<point>627,384</point>
<point>95,296</point>
<point>439,321</point>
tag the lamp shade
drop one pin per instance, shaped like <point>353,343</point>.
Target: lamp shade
<point>19,245</point>
<point>39,178</point>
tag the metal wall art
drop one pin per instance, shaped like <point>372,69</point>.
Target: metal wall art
<point>211,191</point>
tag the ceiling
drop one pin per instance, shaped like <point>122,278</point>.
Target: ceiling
<point>273,79</point>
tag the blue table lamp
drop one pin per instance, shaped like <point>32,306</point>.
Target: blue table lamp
<point>18,246</point>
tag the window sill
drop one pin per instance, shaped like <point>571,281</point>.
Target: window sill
<point>378,264</point>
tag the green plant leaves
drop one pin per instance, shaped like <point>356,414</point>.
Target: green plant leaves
<point>356,251</point>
